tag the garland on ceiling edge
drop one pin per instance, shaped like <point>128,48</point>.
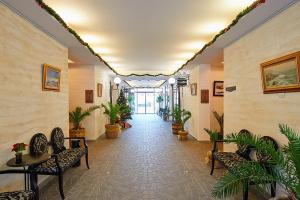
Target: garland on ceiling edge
<point>74,33</point>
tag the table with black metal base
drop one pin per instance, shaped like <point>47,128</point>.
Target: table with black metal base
<point>27,161</point>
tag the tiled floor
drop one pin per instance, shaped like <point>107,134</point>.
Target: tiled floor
<point>145,162</point>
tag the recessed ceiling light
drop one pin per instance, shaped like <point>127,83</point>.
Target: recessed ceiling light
<point>110,59</point>
<point>197,45</point>
<point>102,50</point>
<point>90,38</point>
<point>237,4</point>
<point>186,55</point>
<point>212,28</point>
<point>72,16</point>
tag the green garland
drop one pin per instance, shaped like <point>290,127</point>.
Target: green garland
<point>73,32</point>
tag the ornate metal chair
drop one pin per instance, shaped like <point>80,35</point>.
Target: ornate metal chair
<point>21,194</point>
<point>230,159</point>
<point>63,158</point>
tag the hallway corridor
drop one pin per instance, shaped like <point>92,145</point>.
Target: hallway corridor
<point>146,162</point>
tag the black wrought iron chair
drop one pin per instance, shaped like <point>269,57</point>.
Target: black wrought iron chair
<point>263,160</point>
<point>20,194</point>
<point>62,158</point>
<point>230,159</point>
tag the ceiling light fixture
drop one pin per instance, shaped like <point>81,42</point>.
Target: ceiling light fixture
<point>171,81</point>
<point>211,28</point>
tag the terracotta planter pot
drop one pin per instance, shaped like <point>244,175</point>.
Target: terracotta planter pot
<point>176,127</point>
<point>112,131</point>
<point>77,132</point>
<point>182,135</point>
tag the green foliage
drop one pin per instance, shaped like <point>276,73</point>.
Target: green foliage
<point>185,115</point>
<point>220,119</point>
<point>112,111</point>
<point>130,99</point>
<point>125,110</point>
<point>78,115</point>
<point>214,136</point>
<point>176,114</point>
<point>286,162</point>
<point>159,99</point>
<point>180,116</point>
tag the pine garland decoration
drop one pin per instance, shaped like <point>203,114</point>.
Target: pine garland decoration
<point>73,32</point>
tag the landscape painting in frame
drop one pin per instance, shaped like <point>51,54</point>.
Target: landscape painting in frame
<point>281,74</point>
<point>51,78</point>
<point>218,88</point>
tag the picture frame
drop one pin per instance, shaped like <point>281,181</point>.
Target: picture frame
<point>281,74</point>
<point>89,96</point>
<point>99,89</point>
<point>51,78</point>
<point>218,89</point>
<point>193,87</point>
<point>204,96</point>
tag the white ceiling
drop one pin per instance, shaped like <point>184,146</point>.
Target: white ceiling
<point>145,83</point>
<point>143,36</point>
<point>135,13</point>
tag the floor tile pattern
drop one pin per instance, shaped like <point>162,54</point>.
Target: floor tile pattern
<point>146,162</point>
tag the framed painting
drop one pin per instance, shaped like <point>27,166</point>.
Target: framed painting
<point>51,78</point>
<point>204,96</point>
<point>218,90</point>
<point>281,74</point>
<point>193,89</point>
<point>99,89</point>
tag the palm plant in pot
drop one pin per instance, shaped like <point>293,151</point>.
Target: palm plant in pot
<point>112,129</point>
<point>185,116</point>
<point>76,117</point>
<point>177,120</point>
<point>286,161</point>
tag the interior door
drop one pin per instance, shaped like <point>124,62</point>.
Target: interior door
<point>150,103</point>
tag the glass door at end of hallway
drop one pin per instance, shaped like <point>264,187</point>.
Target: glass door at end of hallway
<point>145,103</point>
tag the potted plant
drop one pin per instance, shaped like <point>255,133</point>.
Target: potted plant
<point>18,148</point>
<point>125,110</point>
<point>286,171</point>
<point>177,121</point>
<point>76,117</point>
<point>159,100</point>
<point>220,119</point>
<point>185,116</point>
<point>112,129</point>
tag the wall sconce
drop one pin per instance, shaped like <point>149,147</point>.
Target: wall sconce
<point>117,81</point>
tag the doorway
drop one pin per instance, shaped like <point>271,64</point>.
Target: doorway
<point>145,100</point>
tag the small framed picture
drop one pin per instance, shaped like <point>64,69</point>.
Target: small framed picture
<point>51,78</point>
<point>193,89</point>
<point>99,89</point>
<point>218,89</point>
<point>281,74</point>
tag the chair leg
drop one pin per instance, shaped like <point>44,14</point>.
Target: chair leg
<point>61,185</point>
<point>212,164</point>
<point>87,159</point>
<point>273,189</point>
<point>245,190</point>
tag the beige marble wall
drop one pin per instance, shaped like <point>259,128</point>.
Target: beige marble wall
<point>202,117</point>
<point>248,107</point>
<point>25,108</point>
<point>86,77</point>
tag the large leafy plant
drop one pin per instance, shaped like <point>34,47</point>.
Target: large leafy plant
<point>176,114</point>
<point>112,111</point>
<point>220,119</point>
<point>185,116</point>
<point>286,161</point>
<point>180,116</point>
<point>78,115</point>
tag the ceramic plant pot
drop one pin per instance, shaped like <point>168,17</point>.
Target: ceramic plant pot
<point>112,131</point>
